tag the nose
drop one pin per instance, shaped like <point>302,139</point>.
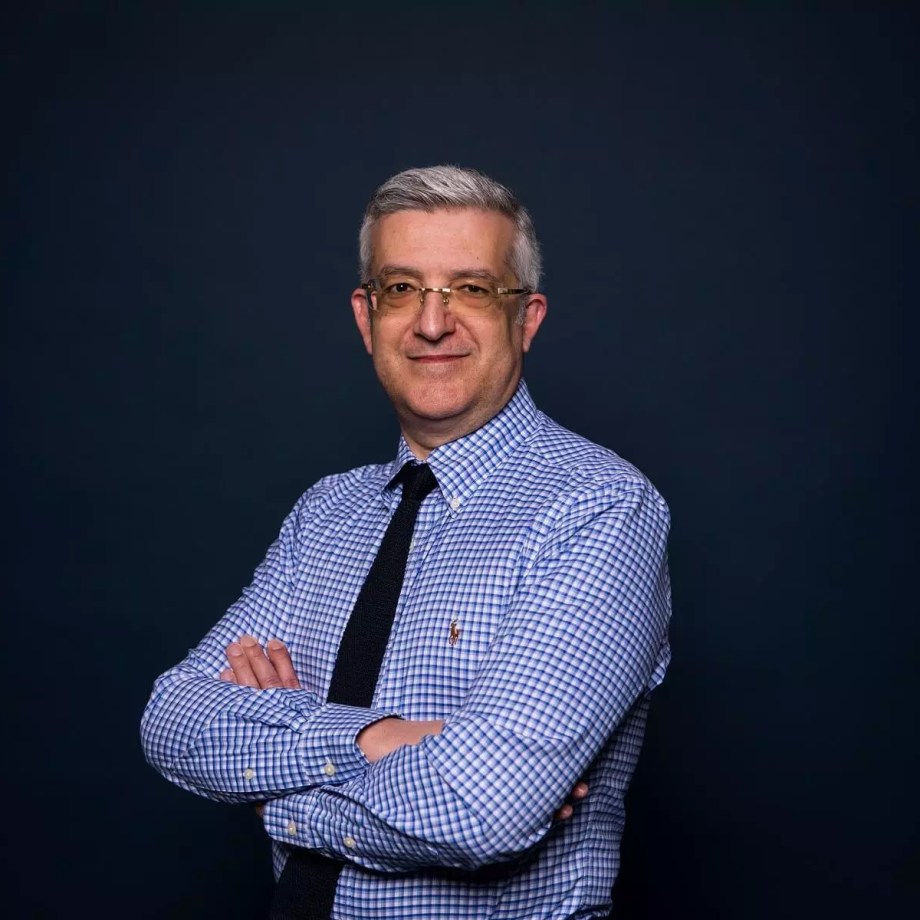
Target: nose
<point>434,319</point>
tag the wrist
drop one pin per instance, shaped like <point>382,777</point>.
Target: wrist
<point>376,740</point>
<point>386,735</point>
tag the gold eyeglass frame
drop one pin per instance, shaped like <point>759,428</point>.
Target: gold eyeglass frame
<point>371,287</point>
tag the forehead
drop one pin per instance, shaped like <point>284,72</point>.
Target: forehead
<point>445,240</point>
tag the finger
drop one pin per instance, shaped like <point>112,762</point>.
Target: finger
<point>260,809</point>
<point>228,675</point>
<point>280,658</point>
<point>564,813</point>
<point>579,791</point>
<point>263,669</point>
<point>239,663</point>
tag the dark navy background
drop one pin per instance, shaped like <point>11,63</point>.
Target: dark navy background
<point>728,204</point>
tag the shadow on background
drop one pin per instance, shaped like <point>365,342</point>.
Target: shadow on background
<point>727,201</point>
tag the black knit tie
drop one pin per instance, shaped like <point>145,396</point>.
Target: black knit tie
<point>307,885</point>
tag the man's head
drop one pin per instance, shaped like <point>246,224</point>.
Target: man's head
<point>452,187</point>
<point>449,360</point>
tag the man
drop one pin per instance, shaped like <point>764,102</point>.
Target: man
<point>530,619</point>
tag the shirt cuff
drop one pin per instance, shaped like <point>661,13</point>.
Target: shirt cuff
<point>291,819</point>
<point>329,751</point>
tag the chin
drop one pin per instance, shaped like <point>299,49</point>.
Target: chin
<point>438,410</point>
<point>436,399</point>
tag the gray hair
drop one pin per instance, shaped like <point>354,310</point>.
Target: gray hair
<point>437,187</point>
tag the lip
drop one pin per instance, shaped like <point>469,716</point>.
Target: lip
<point>436,359</point>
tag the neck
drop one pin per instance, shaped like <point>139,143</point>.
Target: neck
<point>422,443</point>
<point>424,435</point>
<point>424,438</point>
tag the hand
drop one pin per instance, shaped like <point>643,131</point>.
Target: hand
<point>250,666</point>
<point>579,792</point>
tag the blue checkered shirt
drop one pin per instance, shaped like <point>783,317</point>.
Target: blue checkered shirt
<point>533,619</point>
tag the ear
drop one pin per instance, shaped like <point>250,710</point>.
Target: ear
<point>533,317</point>
<point>362,310</point>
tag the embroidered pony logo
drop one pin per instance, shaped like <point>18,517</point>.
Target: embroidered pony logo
<point>453,636</point>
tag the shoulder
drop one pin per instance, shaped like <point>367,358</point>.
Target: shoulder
<point>579,490</point>
<point>340,490</point>
<point>581,470</point>
<point>336,486</point>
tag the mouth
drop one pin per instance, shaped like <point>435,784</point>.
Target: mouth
<point>435,359</point>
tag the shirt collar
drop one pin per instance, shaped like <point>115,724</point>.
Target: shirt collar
<point>459,466</point>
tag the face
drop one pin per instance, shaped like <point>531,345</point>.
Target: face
<point>446,375</point>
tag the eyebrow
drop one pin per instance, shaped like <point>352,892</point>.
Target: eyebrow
<point>478,273</point>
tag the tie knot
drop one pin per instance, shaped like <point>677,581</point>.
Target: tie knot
<point>417,481</point>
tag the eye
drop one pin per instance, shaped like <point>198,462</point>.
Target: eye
<point>399,289</point>
<point>476,291</point>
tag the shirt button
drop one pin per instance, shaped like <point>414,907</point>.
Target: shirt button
<point>329,769</point>
<point>455,502</point>
<point>350,842</point>
<point>292,828</point>
<point>249,773</point>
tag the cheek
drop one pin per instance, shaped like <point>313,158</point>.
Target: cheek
<point>503,344</point>
<point>386,353</point>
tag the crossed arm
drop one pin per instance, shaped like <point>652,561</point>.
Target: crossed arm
<point>271,668</point>
<point>582,642</point>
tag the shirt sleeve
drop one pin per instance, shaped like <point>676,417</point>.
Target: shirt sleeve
<point>239,744</point>
<point>585,638</point>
